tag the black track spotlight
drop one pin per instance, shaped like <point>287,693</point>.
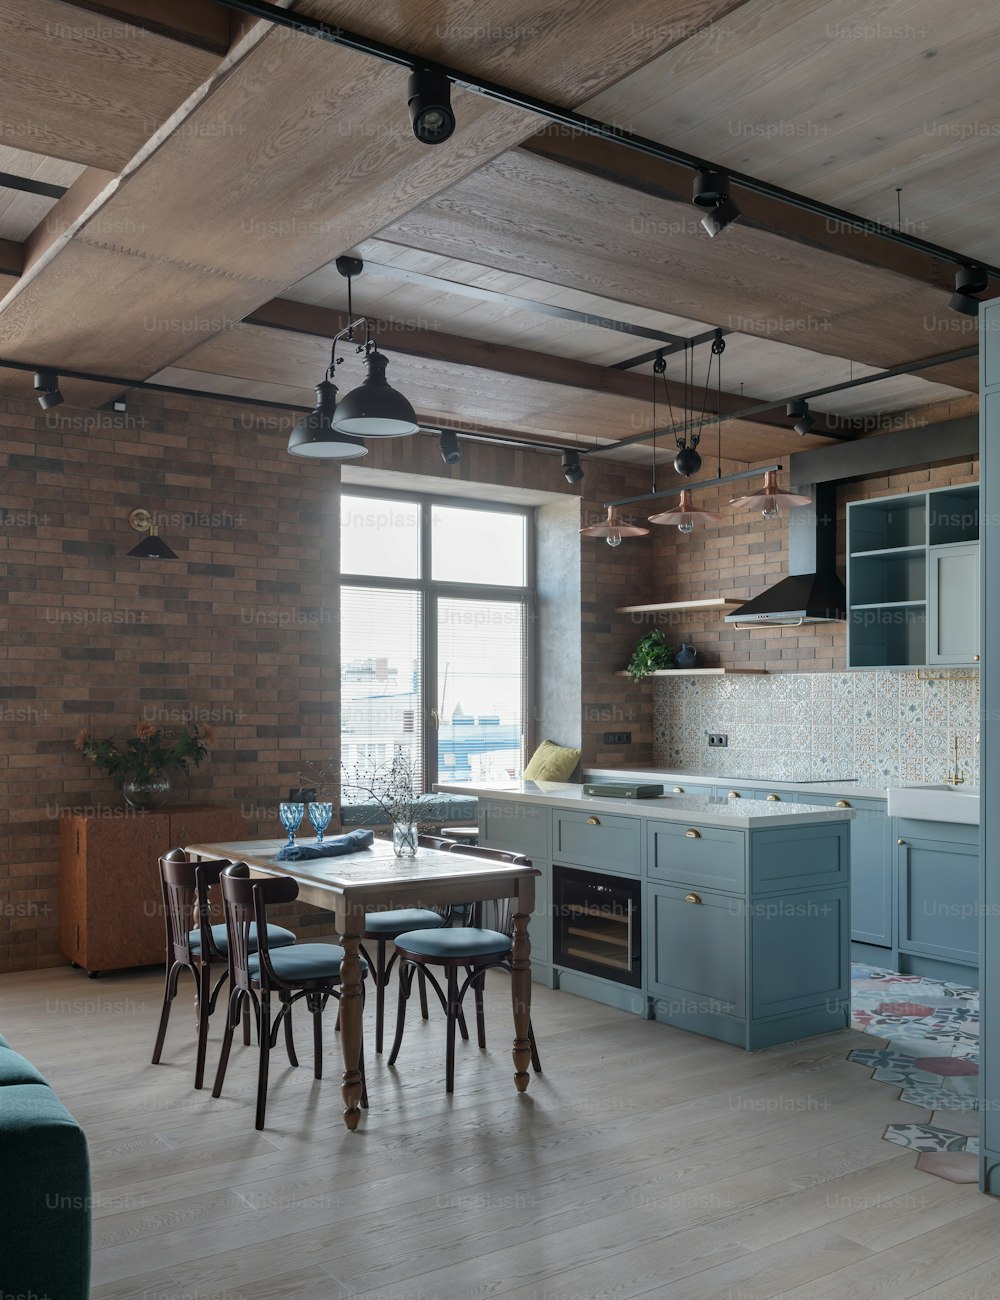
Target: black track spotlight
<point>451,452</point>
<point>798,410</point>
<point>968,280</point>
<point>571,467</point>
<point>711,190</point>
<point>429,102</point>
<point>47,388</point>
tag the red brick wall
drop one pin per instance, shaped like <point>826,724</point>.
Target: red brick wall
<point>241,632</point>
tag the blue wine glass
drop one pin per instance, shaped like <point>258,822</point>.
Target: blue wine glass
<point>320,815</point>
<point>291,818</point>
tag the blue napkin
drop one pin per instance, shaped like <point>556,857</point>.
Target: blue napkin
<point>332,848</point>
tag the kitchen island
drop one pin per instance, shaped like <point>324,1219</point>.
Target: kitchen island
<point>730,918</point>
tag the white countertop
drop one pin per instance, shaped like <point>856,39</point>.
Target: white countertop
<point>839,789</point>
<point>743,814</point>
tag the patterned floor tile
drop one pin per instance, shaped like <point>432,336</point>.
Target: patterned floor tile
<point>931,1053</point>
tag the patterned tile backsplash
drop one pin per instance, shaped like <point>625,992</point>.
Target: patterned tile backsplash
<point>880,727</point>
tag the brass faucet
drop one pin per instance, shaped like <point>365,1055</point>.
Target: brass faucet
<point>956,777</point>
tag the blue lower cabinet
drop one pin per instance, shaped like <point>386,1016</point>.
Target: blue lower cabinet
<point>937,866</point>
<point>871,871</point>
<point>763,965</point>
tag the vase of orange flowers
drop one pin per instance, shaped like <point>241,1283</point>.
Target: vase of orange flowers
<point>141,765</point>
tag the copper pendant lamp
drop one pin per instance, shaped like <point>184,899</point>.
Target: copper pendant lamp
<point>685,514</point>
<point>613,530</point>
<point>771,499</point>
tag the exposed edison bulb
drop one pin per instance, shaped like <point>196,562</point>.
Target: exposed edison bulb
<point>687,526</point>
<point>614,539</point>
<point>770,511</point>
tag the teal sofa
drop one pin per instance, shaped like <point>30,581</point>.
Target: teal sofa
<point>45,1207</point>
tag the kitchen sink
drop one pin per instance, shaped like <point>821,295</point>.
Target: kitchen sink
<point>936,803</point>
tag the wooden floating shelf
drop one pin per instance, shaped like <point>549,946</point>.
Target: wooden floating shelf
<point>716,602</point>
<point>693,672</point>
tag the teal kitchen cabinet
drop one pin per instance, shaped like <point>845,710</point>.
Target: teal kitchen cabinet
<point>748,933</point>
<point>871,869</point>
<point>937,869</point>
<point>526,828</point>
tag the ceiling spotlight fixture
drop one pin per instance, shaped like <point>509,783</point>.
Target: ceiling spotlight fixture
<point>771,499</point>
<point>711,190</point>
<point>47,388</point>
<point>613,530</point>
<point>571,467</point>
<point>798,410</point>
<point>451,452</point>
<point>685,514</point>
<point>152,547</point>
<point>429,103</point>
<point>313,435</point>
<point>968,280</point>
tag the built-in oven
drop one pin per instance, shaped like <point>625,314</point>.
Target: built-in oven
<point>597,924</point>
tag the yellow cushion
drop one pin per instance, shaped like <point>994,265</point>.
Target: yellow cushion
<point>551,762</point>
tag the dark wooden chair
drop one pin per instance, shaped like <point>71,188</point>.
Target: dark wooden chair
<point>381,929</point>
<point>195,944</point>
<point>472,949</point>
<point>307,970</point>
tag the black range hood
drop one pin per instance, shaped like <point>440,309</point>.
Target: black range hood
<point>813,592</point>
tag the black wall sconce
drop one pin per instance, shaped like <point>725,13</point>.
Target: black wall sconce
<point>152,547</point>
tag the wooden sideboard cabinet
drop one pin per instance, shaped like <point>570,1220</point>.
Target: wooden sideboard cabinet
<point>110,905</point>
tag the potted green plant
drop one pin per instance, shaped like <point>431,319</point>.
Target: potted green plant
<point>141,764</point>
<point>650,654</point>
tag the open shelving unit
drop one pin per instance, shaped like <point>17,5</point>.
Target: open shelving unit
<point>694,672</point>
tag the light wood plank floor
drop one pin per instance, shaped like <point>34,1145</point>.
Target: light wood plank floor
<point>644,1162</point>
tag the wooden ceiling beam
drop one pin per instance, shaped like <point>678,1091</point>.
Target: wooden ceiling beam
<point>665,180</point>
<point>89,88</point>
<point>200,23</point>
<point>514,363</point>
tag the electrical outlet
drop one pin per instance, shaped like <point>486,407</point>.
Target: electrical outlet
<point>717,740</point>
<point>618,738</point>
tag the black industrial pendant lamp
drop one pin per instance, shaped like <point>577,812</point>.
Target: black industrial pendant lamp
<point>314,435</point>
<point>374,409</point>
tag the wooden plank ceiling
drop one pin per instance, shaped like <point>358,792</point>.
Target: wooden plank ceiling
<point>228,163</point>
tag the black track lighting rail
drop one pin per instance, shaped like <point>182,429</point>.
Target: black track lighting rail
<point>9,181</point>
<point>907,368</point>
<point>205,394</point>
<point>393,54</point>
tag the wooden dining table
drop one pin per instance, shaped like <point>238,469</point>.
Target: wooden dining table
<point>374,880</point>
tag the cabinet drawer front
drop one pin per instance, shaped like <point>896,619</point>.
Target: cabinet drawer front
<point>712,858</point>
<point>696,951</point>
<point>514,827</point>
<point>598,840</point>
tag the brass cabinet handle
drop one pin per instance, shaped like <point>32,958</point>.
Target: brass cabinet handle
<point>692,898</point>
<point>842,803</point>
<point>901,841</point>
<point>678,789</point>
<point>975,659</point>
<point>774,798</point>
<point>735,794</point>
<point>593,821</point>
<point>692,834</point>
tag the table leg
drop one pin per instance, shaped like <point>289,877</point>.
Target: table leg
<point>520,989</point>
<point>351,1008</point>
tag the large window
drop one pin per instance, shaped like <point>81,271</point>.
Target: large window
<point>435,614</point>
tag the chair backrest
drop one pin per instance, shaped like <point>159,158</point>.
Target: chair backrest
<point>185,883</point>
<point>245,901</point>
<point>493,913</point>
<point>436,842</point>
